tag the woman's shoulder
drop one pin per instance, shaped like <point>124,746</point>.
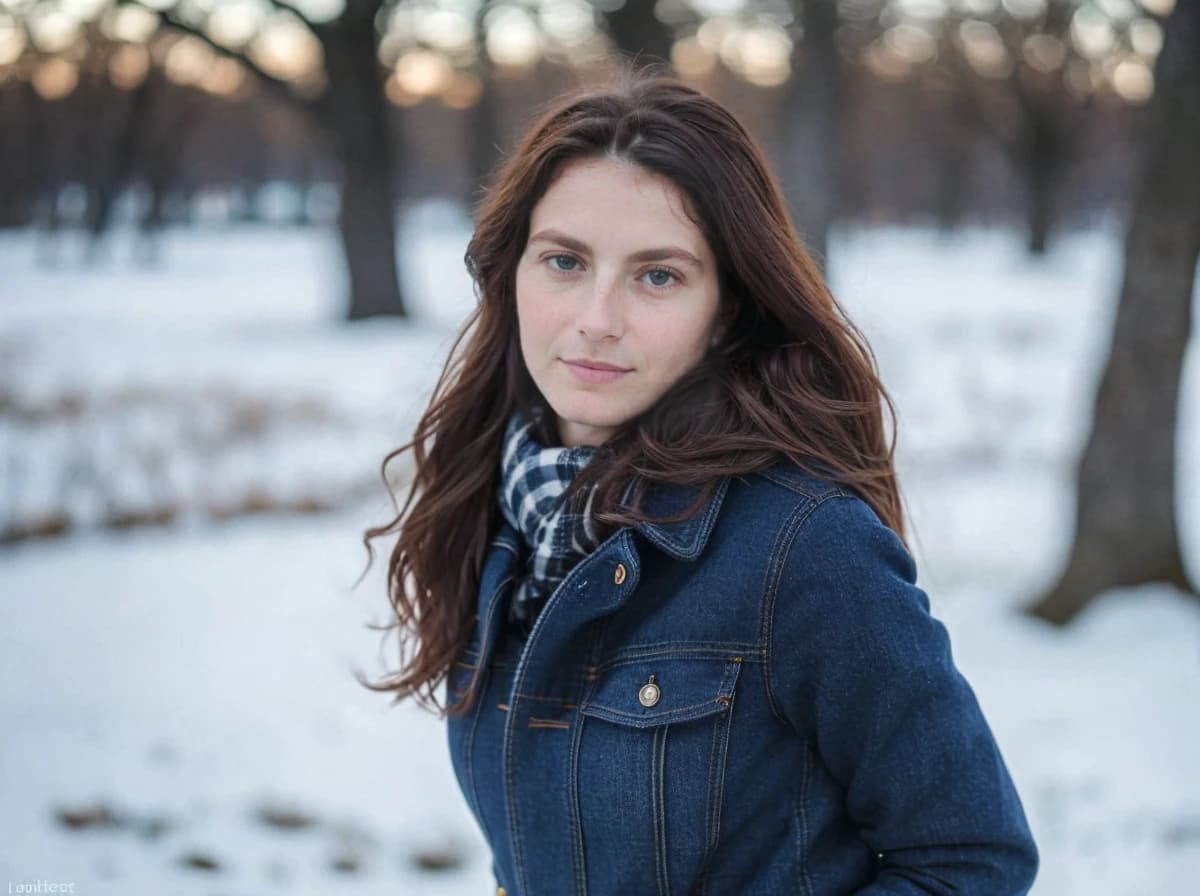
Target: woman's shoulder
<point>812,511</point>
<point>839,566</point>
<point>795,489</point>
<point>809,481</point>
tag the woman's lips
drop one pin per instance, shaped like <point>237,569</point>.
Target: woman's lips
<point>594,374</point>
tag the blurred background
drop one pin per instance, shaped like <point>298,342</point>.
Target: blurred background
<point>231,266</point>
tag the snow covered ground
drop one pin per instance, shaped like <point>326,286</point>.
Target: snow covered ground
<point>173,685</point>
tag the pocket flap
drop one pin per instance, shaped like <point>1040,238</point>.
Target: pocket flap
<point>688,688</point>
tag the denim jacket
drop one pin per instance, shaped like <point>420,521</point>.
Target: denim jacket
<point>753,701</point>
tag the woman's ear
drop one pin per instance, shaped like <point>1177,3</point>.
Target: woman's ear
<point>720,326</point>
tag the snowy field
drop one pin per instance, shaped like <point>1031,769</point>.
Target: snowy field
<point>178,703</point>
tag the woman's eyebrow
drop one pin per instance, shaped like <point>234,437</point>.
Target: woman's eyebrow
<point>550,235</point>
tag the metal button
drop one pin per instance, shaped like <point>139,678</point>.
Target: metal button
<point>649,693</point>
<point>500,891</point>
<point>619,574</point>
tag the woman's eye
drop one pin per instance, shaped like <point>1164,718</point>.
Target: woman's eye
<point>553,259</point>
<point>661,277</point>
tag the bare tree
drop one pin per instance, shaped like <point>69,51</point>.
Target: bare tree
<point>1044,136</point>
<point>485,128</point>
<point>1126,531</point>
<point>351,112</point>
<point>814,108</point>
<point>1018,76</point>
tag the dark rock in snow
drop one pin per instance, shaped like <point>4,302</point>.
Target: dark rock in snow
<point>1182,832</point>
<point>98,815</point>
<point>346,862</point>
<point>438,859</point>
<point>284,817</point>
<point>199,861</point>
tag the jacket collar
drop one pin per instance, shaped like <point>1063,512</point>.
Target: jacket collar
<point>685,539</point>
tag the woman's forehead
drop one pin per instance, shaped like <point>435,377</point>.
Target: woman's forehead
<point>616,207</point>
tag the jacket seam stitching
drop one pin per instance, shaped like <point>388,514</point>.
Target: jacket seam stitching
<point>587,687</point>
<point>802,807</point>
<point>715,797</point>
<point>469,755</point>
<point>786,541</point>
<point>658,798</point>
<point>831,487</point>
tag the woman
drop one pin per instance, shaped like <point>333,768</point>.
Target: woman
<point>654,546</point>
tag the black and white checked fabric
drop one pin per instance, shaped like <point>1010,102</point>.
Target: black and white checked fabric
<point>533,480</point>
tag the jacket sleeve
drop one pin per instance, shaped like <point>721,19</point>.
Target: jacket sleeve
<point>858,666</point>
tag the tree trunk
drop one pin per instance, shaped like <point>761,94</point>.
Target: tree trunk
<point>487,142</point>
<point>946,107</point>
<point>131,133</point>
<point>17,188</point>
<point>1044,153</point>
<point>161,153</point>
<point>1126,530</point>
<point>355,110</point>
<point>812,139</point>
<point>954,171</point>
<point>638,33</point>
<point>353,113</point>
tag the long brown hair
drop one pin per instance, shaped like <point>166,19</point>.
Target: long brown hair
<point>792,379</point>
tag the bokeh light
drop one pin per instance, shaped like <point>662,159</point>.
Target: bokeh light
<point>55,78</point>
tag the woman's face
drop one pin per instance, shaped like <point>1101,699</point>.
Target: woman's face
<point>617,295</point>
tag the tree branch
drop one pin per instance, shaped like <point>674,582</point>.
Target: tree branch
<point>278,87</point>
<point>284,6</point>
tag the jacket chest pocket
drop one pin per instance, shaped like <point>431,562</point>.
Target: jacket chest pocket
<point>650,771</point>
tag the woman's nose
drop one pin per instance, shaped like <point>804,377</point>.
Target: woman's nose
<point>600,312</point>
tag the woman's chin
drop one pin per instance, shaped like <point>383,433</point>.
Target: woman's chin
<point>588,428</point>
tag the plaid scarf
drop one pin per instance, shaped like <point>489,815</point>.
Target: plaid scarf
<point>533,482</point>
